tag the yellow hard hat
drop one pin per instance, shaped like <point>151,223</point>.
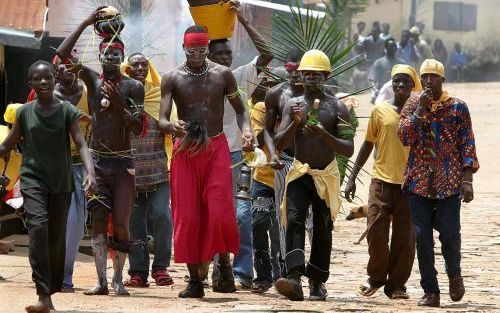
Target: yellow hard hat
<point>315,60</point>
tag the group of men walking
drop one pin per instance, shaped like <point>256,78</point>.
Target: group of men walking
<point>425,158</point>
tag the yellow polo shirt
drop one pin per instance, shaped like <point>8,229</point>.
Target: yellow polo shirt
<point>391,156</point>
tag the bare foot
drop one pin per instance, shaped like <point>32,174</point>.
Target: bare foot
<point>42,306</point>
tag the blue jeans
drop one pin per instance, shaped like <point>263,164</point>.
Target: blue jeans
<point>267,269</point>
<point>444,216</point>
<point>153,204</point>
<point>75,229</point>
<point>243,262</point>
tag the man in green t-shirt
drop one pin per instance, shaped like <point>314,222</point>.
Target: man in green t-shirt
<point>45,126</point>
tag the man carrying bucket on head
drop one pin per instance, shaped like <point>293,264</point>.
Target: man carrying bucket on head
<point>246,77</point>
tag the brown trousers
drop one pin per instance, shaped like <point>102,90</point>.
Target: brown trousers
<point>389,266</point>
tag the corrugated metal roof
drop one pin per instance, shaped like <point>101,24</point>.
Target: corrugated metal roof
<point>26,15</point>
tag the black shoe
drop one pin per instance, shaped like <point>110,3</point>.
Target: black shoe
<point>290,286</point>
<point>317,291</point>
<point>457,288</point>
<point>194,289</point>
<point>429,299</point>
<point>224,283</point>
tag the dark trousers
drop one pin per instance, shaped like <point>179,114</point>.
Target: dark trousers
<point>389,266</point>
<point>153,204</point>
<point>46,216</point>
<point>264,220</point>
<point>301,193</point>
<point>444,216</point>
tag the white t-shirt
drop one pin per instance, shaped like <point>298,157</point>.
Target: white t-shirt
<point>247,80</point>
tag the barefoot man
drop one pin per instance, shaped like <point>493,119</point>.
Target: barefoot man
<point>313,178</point>
<point>201,182</point>
<point>115,103</point>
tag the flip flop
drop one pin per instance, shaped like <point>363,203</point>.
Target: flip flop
<point>367,290</point>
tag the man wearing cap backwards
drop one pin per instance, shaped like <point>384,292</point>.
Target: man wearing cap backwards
<point>387,266</point>
<point>201,183</point>
<point>115,103</point>
<point>151,180</point>
<point>247,79</point>
<point>313,177</point>
<point>438,176</point>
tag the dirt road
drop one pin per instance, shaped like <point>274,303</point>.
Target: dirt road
<point>480,251</point>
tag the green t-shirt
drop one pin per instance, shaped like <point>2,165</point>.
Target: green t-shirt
<point>47,162</point>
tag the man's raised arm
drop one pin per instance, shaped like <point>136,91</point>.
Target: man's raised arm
<point>265,53</point>
<point>242,117</point>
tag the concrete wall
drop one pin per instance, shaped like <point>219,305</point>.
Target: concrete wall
<point>397,13</point>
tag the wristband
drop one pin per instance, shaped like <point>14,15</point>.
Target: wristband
<point>467,182</point>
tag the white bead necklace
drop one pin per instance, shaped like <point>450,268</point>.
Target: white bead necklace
<point>204,72</point>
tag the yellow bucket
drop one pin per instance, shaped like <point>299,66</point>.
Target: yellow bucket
<point>217,18</point>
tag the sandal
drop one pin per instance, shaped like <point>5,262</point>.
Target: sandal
<point>260,287</point>
<point>162,278</point>
<point>367,290</point>
<point>136,281</point>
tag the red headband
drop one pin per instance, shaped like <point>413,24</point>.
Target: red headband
<point>291,66</point>
<point>113,44</point>
<point>195,39</point>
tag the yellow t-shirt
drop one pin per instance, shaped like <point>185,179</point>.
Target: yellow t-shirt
<point>14,166</point>
<point>264,174</point>
<point>391,156</point>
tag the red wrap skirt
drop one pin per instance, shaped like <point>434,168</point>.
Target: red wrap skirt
<point>202,203</point>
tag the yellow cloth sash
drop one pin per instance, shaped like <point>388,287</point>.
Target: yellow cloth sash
<point>436,104</point>
<point>326,181</point>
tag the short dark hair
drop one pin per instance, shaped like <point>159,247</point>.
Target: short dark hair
<point>33,66</point>
<point>294,55</point>
<point>212,43</point>
<point>195,29</point>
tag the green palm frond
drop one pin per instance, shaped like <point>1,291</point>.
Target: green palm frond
<point>306,29</point>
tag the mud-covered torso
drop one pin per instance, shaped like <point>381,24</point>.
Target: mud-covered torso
<point>109,132</point>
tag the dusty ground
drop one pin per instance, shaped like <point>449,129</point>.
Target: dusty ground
<point>480,251</point>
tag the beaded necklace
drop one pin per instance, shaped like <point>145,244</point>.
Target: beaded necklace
<point>202,73</point>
